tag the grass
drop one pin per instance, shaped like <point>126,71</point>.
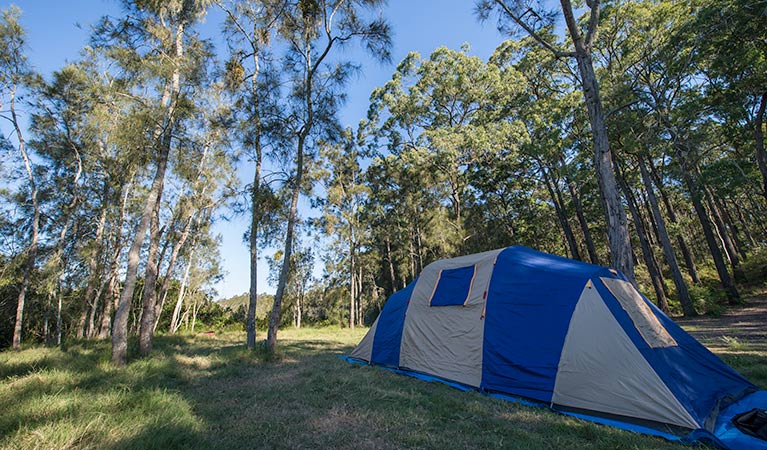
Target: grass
<point>210,392</point>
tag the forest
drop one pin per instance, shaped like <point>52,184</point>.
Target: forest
<point>628,134</point>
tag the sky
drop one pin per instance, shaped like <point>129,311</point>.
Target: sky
<point>58,29</point>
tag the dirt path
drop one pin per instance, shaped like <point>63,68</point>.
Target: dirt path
<point>746,324</point>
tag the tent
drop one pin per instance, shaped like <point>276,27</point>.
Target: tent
<point>571,336</point>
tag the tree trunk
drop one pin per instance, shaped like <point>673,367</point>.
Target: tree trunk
<point>31,251</point>
<point>391,265</point>
<point>250,320</point>
<point>740,246</point>
<point>171,265</point>
<point>352,286</point>
<point>686,253</point>
<point>150,285</point>
<point>617,229</point>
<point>58,320</point>
<point>724,234</point>
<point>113,295</point>
<point>556,198</point>
<point>761,155</point>
<point>359,295</point>
<point>276,314</point>
<point>195,309</point>
<point>93,271</point>
<point>744,224</point>
<point>649,258</point>
<point>174,321</point>
<point>708,232</point>
<point>170,97</point>
<point>676,275</point>
<point>590,247</point>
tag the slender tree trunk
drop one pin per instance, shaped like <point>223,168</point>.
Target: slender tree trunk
<point>419,248</point>
<point>649,258</point>
<point>171,265</point>
<point>590,247</point>
<point>724,234</point>
<point>113,295</point>
<point>250,320</point>
<point>195,309</point>
<point>120,328</point>
<point>174,321</point>
<point>761,155</point>
<point>276,314</point>
<point>359,295</point>
<point>255,218</point>
<point>31,251</point>
<point>731,225</point>
<point>556,198</point>
<point>352,285</point>
<point>150,285</point>
<point>58,319</point>
<point>686,253</point>
<point>744,224</point>
<point>617,229</point>
<point>708,232</point>
<point>391,265</point>
<point>651,229</point>
<point>676,275</point>
<point>93,271</point>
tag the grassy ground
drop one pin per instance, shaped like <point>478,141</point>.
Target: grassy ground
<point>209,392</point>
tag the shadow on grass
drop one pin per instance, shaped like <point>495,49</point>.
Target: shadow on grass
<point>212,393</point>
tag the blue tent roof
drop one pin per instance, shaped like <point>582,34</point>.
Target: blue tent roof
<point>519,312</point>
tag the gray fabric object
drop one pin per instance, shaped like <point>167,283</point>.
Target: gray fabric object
<point>446,341</point>
<point>600,369</point>
<point>364,350</point>
<point>644,319</point>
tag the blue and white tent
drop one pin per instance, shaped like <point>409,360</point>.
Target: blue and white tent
<point>564,334</point>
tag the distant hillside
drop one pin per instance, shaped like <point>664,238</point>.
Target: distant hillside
<point>263,306</point>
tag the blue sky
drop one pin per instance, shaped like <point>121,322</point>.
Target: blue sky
<point>58,29</point>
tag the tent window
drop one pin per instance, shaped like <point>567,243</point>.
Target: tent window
<point>645,320</point>
<point>453,286</point>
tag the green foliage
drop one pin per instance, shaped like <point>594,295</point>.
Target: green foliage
<point>708,298</point>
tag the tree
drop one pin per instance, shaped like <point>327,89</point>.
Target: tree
<point>170,23</point>
<point>251,25</point>
<point>312,29</point>
<point>345,194</point>
<point>15,75</point>
<point>534,19</point>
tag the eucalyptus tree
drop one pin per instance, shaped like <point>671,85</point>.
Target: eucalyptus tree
<point>152,42</point>
<point>251,76</point>
<point>65,141</point>
<point>665,86</point>
<point>548,110</point>
<point>16,76</point>
<point>311,30</point>
<point>729,42</point>
<point>202,169</point>
<point>345,193</point>
<point>533,17</point>
<point>633,33</point>
<point>454,108</point>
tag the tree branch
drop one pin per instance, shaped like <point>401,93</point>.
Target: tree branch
<point>593,22</point>
<point>518,20</point>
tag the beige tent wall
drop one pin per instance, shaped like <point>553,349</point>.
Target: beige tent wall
<point>446,341</point>
<point>602,370</point>
<point>364,350</point>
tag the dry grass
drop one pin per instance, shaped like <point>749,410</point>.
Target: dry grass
<point>210,392</point>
